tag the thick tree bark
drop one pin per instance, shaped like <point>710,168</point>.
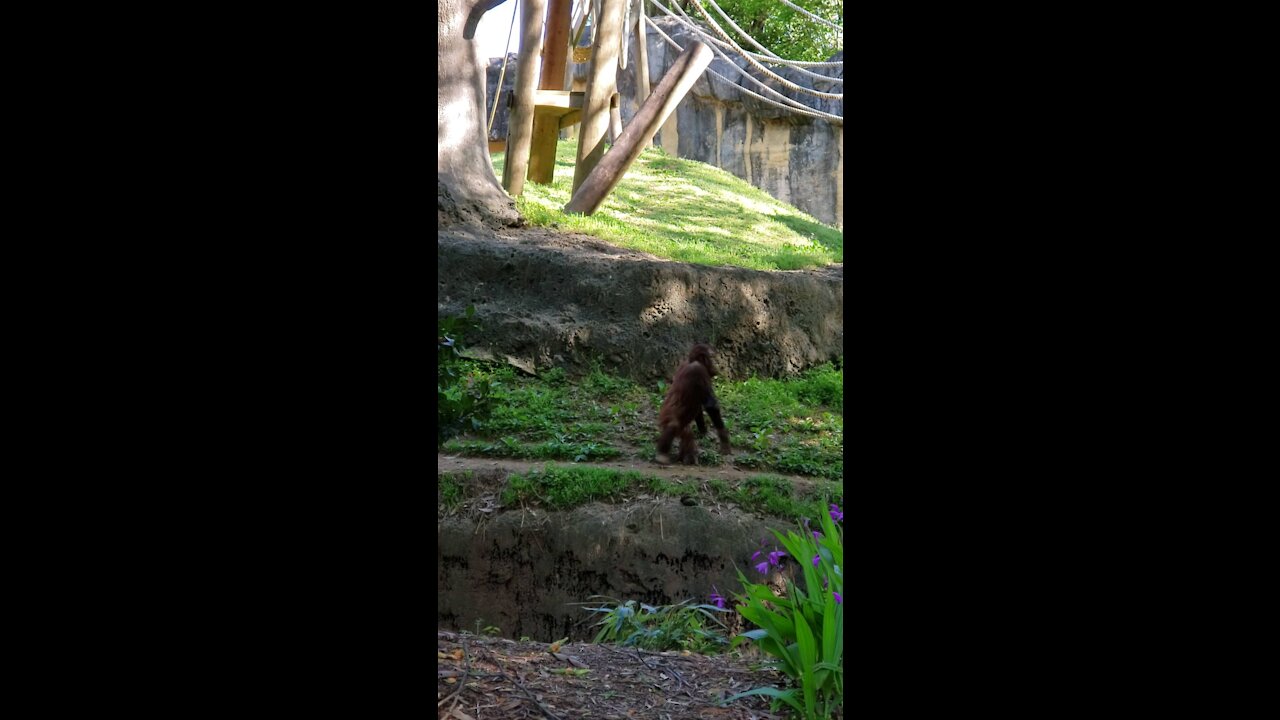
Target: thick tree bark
<point>467,189</point>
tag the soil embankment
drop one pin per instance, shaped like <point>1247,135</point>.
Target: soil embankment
<point>548,299</point>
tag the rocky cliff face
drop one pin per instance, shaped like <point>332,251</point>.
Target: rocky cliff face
<point>795,158</point>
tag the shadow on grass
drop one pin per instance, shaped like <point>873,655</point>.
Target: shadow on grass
<point>829,238</point>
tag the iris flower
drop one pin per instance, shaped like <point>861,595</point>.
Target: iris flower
<point>836,515</point>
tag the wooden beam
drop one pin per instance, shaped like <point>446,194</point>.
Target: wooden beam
<point>615,119</point>
<point>642,57</point>
<point>602,84</point>
<point>649,118</point>
<point>520,121</point>
<point>546,128</point>
<point>559,98</point>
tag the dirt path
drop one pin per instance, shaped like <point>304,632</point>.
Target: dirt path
<point>481,677</point>
<point>506,466</point>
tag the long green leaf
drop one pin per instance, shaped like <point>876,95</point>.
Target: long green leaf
<point>808,658</point>
<point>787,696</point>
<point>829,631</point>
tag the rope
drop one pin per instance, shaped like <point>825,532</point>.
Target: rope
<point>734,25</point>
<point>691,24</point>
<point>792,105</point>
<point>752,61</point>
<point>762,58</point>
<point>803,110</point>
<point>503,73</point>
<point>828,23</point>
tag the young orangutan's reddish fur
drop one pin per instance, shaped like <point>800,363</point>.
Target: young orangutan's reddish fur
<point>690,394</point>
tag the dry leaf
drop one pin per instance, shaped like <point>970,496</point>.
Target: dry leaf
<point>450,680</point>
<point>457,654</point>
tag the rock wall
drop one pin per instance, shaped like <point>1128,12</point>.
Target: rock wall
<point>795,158</point>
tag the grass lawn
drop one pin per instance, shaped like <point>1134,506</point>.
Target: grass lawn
<point>793,426</point>
<point>688,211</point>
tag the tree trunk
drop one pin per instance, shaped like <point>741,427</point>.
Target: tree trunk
<point>467,189</point>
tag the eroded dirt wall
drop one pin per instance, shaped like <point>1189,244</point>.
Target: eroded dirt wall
<point>517,569</point>
<point>549,299</point>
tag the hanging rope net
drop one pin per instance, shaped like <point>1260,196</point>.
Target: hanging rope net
<point>724,46</point>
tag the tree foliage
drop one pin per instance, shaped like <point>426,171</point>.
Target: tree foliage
<point>786,32</point>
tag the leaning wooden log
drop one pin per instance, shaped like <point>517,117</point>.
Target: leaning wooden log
<point>648,120</point>
<point>602,84</point>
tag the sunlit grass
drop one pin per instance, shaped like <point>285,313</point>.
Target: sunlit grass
<point>688,211</point>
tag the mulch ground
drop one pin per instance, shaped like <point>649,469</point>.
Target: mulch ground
<point>481,677</point>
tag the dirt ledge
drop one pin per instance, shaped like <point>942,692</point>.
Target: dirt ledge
<point>550,299</point>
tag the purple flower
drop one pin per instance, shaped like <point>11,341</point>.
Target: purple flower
<point>717,598</point>
<point>816,559</point>
<point>836,515</point>
<point>755,555</point>
<point>775,556</point>
<point>762,568</point>
<point>817,535</point>
<point>838,598</point>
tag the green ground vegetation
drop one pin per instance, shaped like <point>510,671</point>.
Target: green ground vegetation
<point>793,426</point>
<point>687,211</point>
<point>562,487</point>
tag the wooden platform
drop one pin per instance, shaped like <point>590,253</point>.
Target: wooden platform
<point>562,104</point>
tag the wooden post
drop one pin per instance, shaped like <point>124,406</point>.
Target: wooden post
<point>602,84</point>
<point>546,129</point>
<point>649,118</point>
<point>615,119</point>
<point>520,121</point>
<point>642,56</point>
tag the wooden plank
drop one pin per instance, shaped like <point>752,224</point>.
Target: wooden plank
<point>555,55</point>
<point>573,118</point>
<point>559,98</point>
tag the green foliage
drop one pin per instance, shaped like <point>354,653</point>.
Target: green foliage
<point>804,629</point>
<point>776,496</point>
<point>561,487</point>
<point>823,385</point>
<point>794,425</point>
<point>687,211</point>
<point>450,492</point>
<point>463,392</point>
<point>785,32</point>
<point>508,446</point>
<point>667,627</point>
<point>780,424</point>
